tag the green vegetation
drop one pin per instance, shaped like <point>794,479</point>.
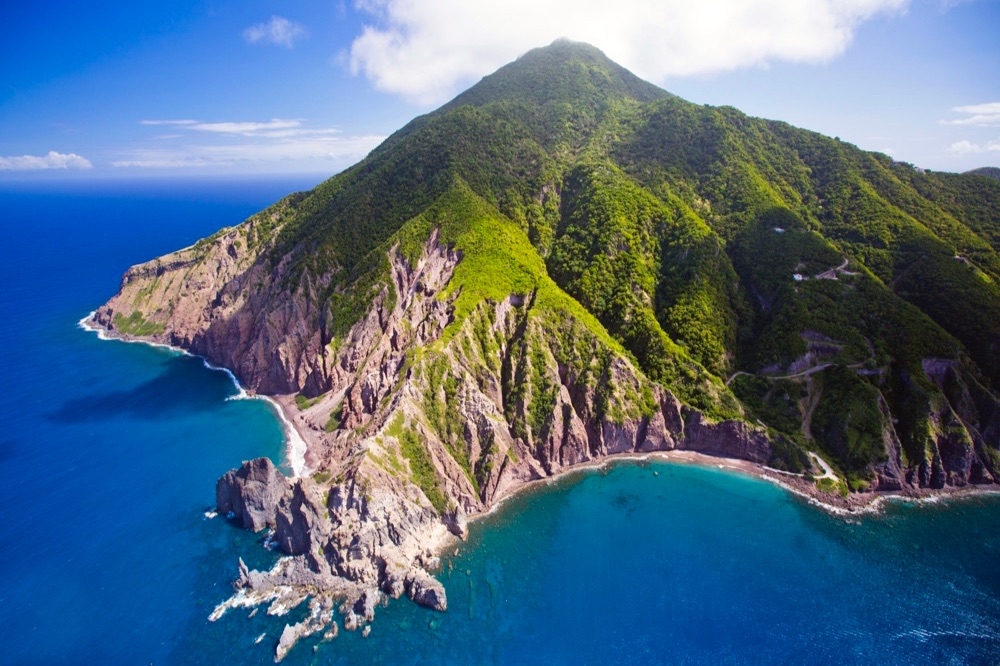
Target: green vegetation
<point>607,255</point>
<point>421,467</point>
<point>832,486</point>
<point>303,403</point>
<point>441,406</point>
<point>333,422</point>
<point>693,241</point>
<point>848,422</point>
<point>543,393</point>
<point>136,324</point>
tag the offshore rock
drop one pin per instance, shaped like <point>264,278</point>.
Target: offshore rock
<point>364,607</point>
<point>426,591</point>
<point>320,615</point>
<point>289,637</point>
<point>251,493</point>
<point>458,523</point>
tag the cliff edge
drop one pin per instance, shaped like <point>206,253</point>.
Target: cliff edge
<point>566,264</point>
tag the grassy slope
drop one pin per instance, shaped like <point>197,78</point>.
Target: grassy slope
<point>647,218</point>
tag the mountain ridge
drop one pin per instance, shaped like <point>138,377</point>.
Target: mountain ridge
<point>566,263</point>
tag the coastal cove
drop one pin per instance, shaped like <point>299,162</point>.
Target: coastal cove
<point>654,561</point>
<point>562,516</point>
<point>112,451</point>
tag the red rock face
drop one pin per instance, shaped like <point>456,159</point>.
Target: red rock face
<point>224,300</point>
<point>515,394</point>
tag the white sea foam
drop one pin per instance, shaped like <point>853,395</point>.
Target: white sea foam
<point>211,514</point>
<point>241,393</point>
<point>87,325</point>
<point>83,322</point>
<point>295,446</point>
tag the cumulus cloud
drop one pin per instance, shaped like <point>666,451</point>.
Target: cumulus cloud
<point>53,160</point>
<point>290,143</point>
<point>966,147</point>
<point>279,31</point>
<point>981,115</point>
<point>423,50</point>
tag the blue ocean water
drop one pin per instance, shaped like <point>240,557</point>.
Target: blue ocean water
<point>109,454</point>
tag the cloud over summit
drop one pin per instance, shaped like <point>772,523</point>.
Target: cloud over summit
<point>424,50</point>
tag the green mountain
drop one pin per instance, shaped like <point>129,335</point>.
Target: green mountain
<point>566,262</point>
<point>989,172</point>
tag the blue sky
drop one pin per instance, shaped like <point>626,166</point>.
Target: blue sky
<point>109,89</point>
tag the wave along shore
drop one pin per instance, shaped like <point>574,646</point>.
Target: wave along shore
<point>297,450</point>
<point>295,446</point>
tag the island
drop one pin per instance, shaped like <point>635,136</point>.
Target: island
<point>566,265</point>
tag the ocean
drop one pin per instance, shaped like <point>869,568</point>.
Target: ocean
<point>109,453</point>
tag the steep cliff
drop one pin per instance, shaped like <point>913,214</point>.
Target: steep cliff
<point>564,264</point>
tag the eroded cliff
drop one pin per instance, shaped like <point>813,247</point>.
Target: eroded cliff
<point>518,284</point>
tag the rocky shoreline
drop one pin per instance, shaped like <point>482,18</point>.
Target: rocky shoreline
<point>358,524</point>
<point>798,485</point>
<point>257,497</point>
<point>407,431</point>
<point>349,551</point>
<point>855,502</point>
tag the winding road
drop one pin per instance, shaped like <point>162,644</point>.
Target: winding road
<point>827,470</point>
<point>808,371</point>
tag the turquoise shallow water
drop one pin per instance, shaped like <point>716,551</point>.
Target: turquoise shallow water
<point>109,454</point>
<point>698,565</point>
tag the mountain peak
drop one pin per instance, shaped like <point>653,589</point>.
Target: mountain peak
<point>565,71</point>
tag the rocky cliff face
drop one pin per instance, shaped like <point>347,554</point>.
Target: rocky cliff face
<point>405,316</point>
<point>223,299</point>
<point>414,420</point>
<point>409,432</point>
<point>350,544</point>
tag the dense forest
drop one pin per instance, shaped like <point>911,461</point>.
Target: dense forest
<point>848,302</point>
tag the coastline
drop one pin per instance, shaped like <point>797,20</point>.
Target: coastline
<point>295,447</point>
<point>855,504</point>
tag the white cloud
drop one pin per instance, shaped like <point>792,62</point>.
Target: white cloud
<point>53,160</point>
<point>989,107</point>
<point>217,144</point>
<point>248,128</point>
<point>966,147</point>
<point>981,115</point>
<point>423,50</point>
<point>278,30</point>
<point>275,128</point>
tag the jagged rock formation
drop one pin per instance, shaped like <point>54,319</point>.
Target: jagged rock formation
<point>563,264</point>
<point>251,494</point>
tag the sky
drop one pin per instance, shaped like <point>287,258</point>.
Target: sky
<point>221,87</point>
